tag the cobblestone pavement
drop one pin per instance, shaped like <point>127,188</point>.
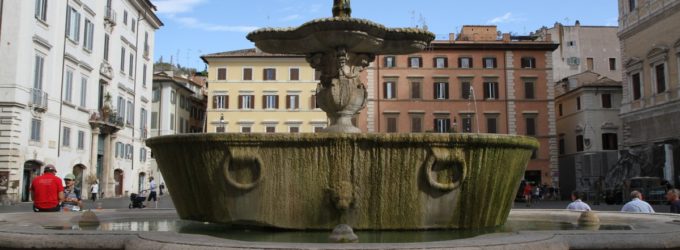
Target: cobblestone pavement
<point>164,202</point>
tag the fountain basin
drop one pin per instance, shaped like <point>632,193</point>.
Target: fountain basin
<point>369,181</point>
<point>354,34</point>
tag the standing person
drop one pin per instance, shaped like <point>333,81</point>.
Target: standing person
<point>94,189</point>
<point>161,187</point>
<point>527,193</point>
<point>152,191</point>
<point>577,204</point>
<point>47,191</point>
<point>673,197</point>
<point>637,205</point>
<point>536,193</point>
<point>72,200</point>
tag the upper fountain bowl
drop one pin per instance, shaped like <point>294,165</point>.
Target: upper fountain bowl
<point>356,35</point>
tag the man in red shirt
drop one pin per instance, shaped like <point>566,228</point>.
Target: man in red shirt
<point>47,191</point>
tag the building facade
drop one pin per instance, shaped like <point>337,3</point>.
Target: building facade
<point>476,82</point>
<point>588,128</point>
<point>582,48</point>
<point>65,64</point>
<point>650,112</point>
<point>178,105</point>
<point>254,92</point>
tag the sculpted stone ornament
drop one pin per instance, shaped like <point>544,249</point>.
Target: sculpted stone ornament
<point>341,48</point>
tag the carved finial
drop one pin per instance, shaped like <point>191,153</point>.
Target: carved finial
<point>341,8</point>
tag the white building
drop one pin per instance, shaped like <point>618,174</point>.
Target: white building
<point>62,61</point>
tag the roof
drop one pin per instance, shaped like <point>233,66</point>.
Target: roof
<point>246,53</point>
<point>586,79</point>
<point>494,45</point>
<point>162,76</point>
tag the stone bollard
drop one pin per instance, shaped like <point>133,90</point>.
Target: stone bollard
<point>343,233</point>
<point>88,220</point>
<point>589,221</point>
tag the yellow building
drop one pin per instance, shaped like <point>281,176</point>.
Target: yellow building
<point>251,91</point>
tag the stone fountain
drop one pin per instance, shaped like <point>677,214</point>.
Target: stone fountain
<point>368,181</point>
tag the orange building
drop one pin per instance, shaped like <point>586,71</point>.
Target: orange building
<point>477,82</point>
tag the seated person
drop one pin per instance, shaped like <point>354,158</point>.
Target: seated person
<point>72,199</point>
<point>577,204</point>
<point>637,205</point>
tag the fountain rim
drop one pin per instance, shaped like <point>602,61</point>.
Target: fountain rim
<point>431,139</point>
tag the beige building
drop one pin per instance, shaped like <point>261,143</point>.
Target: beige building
<point>589,129</point>
<point>650,112</point>
<point>254,92</point>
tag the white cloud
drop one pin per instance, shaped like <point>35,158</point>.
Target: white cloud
<point>507,18</point>
<point>194,23</point>
<point>172,7</point>
<point>291,18</point>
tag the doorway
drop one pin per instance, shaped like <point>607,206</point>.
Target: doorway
<point>118,177</point>
<point>533,176</point>
<point>31,170</point>
<point>78,171</point>
<point>140,187</point>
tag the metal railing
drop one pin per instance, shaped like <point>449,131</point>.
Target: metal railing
<point>39,99</point>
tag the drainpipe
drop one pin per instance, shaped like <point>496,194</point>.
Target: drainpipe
<point>2,2</point>
<point>377,92</point>
<point>134,86</point>
<point>61,87</point>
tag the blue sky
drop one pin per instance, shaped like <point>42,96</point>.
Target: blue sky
<point>196,27</point>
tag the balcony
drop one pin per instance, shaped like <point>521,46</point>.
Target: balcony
<point>39,100</point>
<point>107,122</point>
<point>110,16</point>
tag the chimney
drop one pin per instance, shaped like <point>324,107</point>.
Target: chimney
<point>452,37</point>
<point>506,37</point>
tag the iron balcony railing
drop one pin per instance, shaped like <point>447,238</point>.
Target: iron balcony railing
<point>39,99</point>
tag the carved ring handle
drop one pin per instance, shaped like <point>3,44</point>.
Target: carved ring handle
<point>451,158</point>
<point>244,159</point>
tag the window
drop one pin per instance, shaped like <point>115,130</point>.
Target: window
<point>416,90</point>
<point>88,40</point>
<point>83,92</point>
<point>36,126</point>
<point>144,75</point>
<point>292,102</point>
<point>559,107</point>
<point>270,129</point>
<point>294,129</point>
<point>246,129</point>
<point>529,90</point>
<point>528,63</point>
<point>143,123</point>
<point>492,125</point>
<point>465,90</point>
<point>172,121</point>
<point>465,62</point>
<point>182,101</point>
<point>81,140</point>
<point>609,141</point>
<point>41,9</point>
<point>390,62</point>
<point>142,154</point>
<point>121,106</point>
<point>295,74</point>
<point>173,97</point>
<point>612,63</point>
<point>534,154</point>
<point>181,125</point>
<point>270,102</point>
<point>122,60</point>
<point>220,102</point>
<point>146,44</point>
<point>247,74</point>
<point>269,74</point>
<point>442,125</point>
<point>660,77</point>
<point>637,86</point>
<point>221,74</point>
<point>130,113</point>
<point>415,62</point>
<point>579,143</point>
<point>68,87</point>
<point>391,124</point>
<point>314,103</point>
<point>132,65</point>
<point>106,47</point>
<point>467,124</point>
<point>590,64</point>
<point>156,95</point>
<point>246,101</point>
<point>125,17</point>
<point>318,129</point>
<point>38,75</point>
<point>632,5</point>
<point>562,146</point>
<point>129,149</point>
<point>578,103</point>
<point>154,120</point>
<point>73,24</point>
<point>571,43</point>
<point>441,62</point>
<point>66,137</point>
<point>531,125</point>
<point>490,63</point>
<point>607,101</point>
<point>220,129</point>
<point>132,25</point>
<point>416,124</point>
<point>441,90</point>
<point>389,90</point>
<point>491,90</point>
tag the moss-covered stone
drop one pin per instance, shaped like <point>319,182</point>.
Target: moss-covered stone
<point>368,181</point>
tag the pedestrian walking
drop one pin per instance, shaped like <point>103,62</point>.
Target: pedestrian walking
<point>637,205</point>
<point>152,192</point>
<point>161,187</point>
<point>47,191</point>
<point>94,189</point>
